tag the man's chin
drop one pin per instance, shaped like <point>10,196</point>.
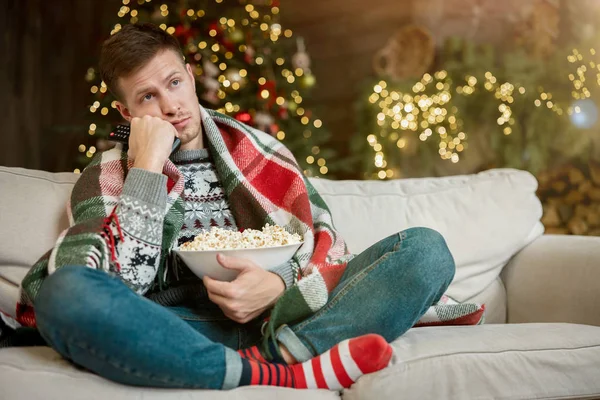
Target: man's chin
<point>190,135</point>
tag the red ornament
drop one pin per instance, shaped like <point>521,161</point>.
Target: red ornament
<point>244,116</point>
<point>183,34</point>
<point>283,113</point>
<point>214,26</point>
<point>229,45</point>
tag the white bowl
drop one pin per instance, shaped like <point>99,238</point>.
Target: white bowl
<point>205,262</point>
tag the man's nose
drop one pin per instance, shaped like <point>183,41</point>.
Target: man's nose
<point>169,104</point>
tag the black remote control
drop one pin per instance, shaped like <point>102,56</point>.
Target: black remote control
<point>122,132</point>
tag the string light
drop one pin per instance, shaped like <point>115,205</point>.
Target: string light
<point>424,107</point>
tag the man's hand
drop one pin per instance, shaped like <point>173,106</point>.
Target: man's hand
<point>252,292</point>
<point>151,142</point>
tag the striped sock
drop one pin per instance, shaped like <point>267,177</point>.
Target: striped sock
<point>254,353</point>
<point>335,369</point>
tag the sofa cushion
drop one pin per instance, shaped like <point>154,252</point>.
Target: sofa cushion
<point>10,278</point>
<point>33,205</point>
<point>485,218</point>
<point>41,373</point>
<point>515,361</point>
<point>9,293</point>
<point>494,298</point>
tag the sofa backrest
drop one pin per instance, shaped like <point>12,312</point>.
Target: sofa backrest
<point>486,218</point>
<point>32,212</point>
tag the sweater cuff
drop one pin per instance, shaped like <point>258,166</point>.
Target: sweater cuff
<point>286,273</point>
<point>146,186</point>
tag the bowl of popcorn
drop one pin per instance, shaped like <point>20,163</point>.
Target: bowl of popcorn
<point>267,248</point>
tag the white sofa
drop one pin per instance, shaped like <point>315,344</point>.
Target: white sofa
<point>542,293</point>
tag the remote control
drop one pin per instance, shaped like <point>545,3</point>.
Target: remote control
<point>122,132</point>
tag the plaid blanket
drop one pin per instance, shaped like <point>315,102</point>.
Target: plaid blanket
<point>263,183</point>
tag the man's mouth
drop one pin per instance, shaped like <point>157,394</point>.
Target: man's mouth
<point>181,123</point>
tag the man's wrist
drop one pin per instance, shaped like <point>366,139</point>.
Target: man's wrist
<point>149,164</point>
<point>278,286</point>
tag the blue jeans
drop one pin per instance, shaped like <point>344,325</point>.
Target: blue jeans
<point>96,321</point>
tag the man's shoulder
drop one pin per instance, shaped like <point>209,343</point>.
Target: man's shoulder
<point>116,153</point>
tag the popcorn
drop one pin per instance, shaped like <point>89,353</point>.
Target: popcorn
<point>223,239</point>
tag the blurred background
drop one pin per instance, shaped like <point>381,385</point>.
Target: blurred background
<point>356,89</point>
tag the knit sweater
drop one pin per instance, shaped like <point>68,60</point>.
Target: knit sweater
<point>206,205</point>
<point>263,184</point>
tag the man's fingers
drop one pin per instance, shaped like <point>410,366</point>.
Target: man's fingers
<point>234,263</point>
<point>228,306</point>
<point>218,300</point>
<point>218,287</point>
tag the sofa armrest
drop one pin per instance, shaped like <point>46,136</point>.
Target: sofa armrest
<point>555,279</point>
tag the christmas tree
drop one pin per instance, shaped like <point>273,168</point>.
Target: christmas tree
<point>247,66</point>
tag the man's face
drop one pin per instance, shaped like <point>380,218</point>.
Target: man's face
<point>164,88</point>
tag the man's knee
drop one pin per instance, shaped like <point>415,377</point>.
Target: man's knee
<point>437,263</point>
<point>64,296</point>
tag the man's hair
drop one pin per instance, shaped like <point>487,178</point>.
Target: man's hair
<point>129,49</point>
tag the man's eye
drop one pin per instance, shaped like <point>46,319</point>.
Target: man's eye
<point>147,97</point>
<point>176,82</point>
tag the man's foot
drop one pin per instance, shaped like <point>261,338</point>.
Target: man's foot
<point>335,369</point>
<point>252,353</point>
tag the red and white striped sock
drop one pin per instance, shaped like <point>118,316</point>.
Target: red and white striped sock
<point>335,369</point>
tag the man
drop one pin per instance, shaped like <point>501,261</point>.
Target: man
<point>129,210</point>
